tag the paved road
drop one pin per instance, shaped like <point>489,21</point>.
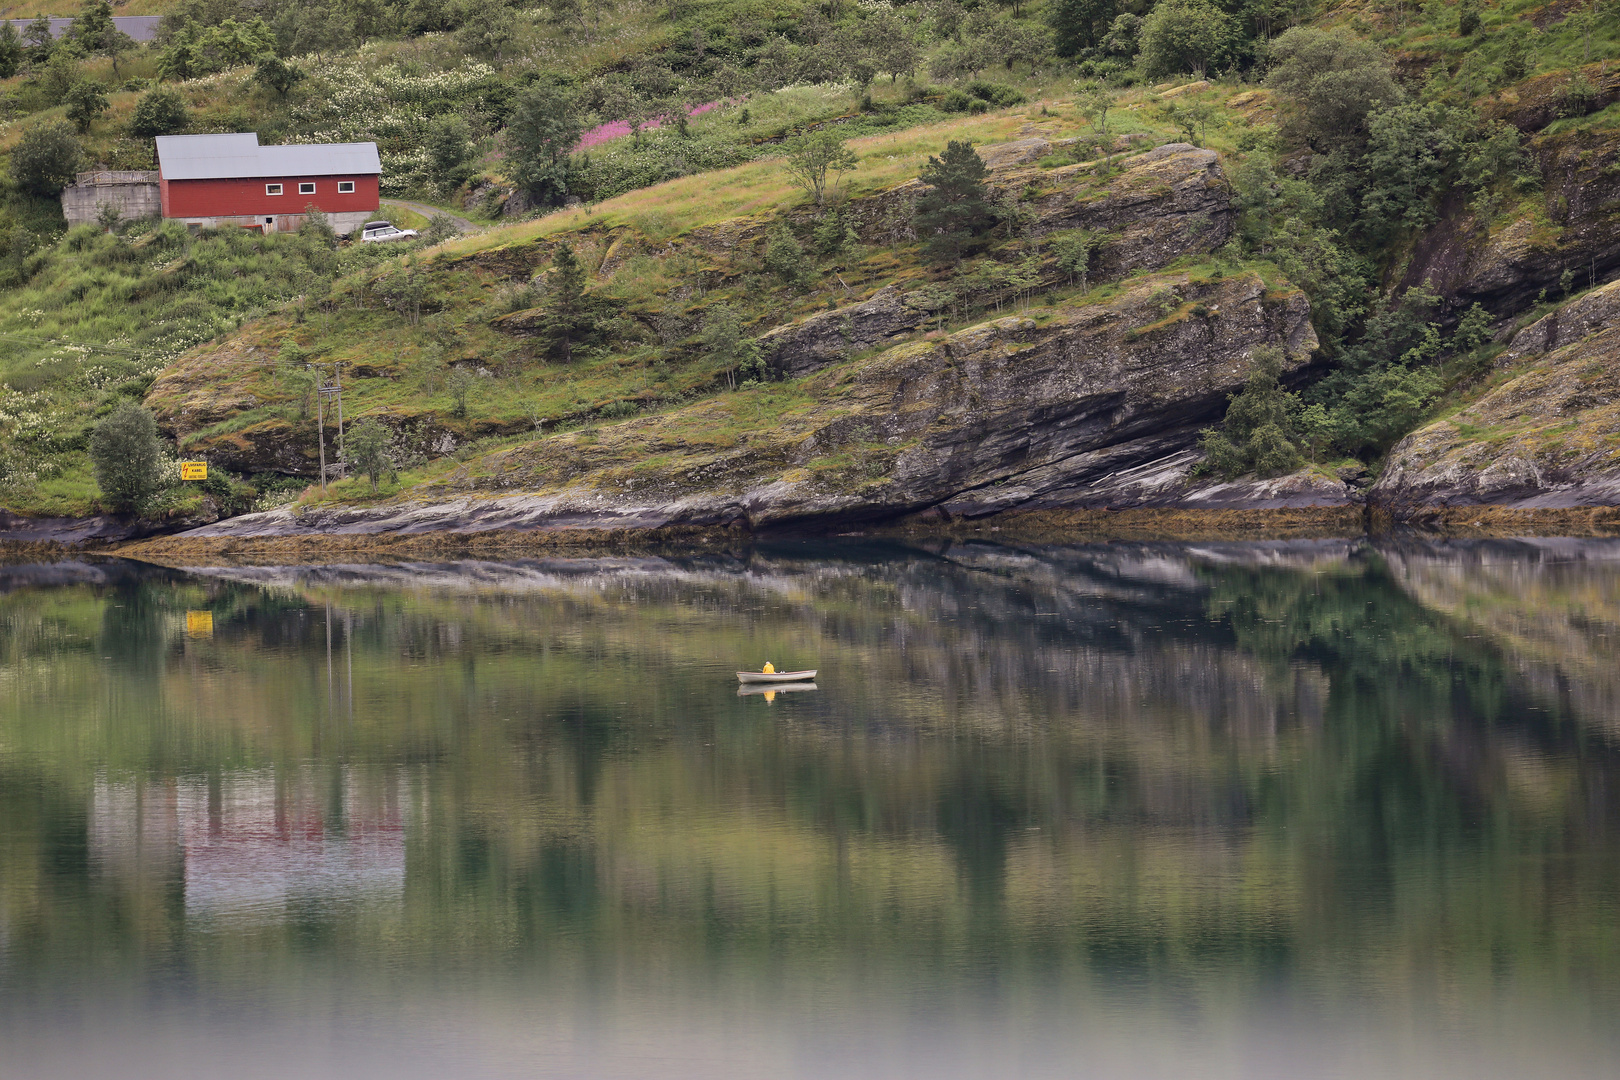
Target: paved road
<point>139,27</point>
<point>430,212</point>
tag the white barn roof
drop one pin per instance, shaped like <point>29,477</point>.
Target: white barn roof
<point>239,156</point>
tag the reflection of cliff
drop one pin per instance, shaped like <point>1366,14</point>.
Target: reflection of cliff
<point>252,846</point>
<point>1552,605</point>
<point>1127,755</point>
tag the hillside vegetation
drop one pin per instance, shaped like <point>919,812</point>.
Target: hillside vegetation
<point>1426,176</point>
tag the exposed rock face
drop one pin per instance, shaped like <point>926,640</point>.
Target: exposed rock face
<point>58,530</point>
<point>1016,413</point>
<point>1506,267</point>
<point>1548,438</point>
<point>799,348</point>
<point>1534,103</point>
<point>1586,313</point>
<point>1168,202</point>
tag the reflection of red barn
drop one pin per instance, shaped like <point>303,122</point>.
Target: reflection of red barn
<point>248,846</point>
<point>212,180</point>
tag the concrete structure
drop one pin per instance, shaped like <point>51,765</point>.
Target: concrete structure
<point>215,180</point>
<point>138,27</point>
<point>135,194</point>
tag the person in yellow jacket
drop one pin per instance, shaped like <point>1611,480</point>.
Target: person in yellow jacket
<point>768,669</point>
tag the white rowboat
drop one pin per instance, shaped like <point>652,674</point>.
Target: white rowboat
<point>775,676</point>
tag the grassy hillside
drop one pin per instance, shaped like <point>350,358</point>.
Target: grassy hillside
<point>677,224</point>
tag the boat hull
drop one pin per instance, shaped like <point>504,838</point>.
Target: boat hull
<point>747,677</point>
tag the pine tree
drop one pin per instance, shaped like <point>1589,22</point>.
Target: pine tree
<point>956,209</point>
<point>570,314</point>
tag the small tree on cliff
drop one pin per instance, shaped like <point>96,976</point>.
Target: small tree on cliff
<point>570,317</point>
<point>956,209</point>
<point>367,448</point>
<point>811,157</point>
<point>1258,432</point>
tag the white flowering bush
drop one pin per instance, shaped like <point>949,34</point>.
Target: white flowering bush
<point>390,107</point>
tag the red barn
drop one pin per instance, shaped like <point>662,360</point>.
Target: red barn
<point>212,180</point>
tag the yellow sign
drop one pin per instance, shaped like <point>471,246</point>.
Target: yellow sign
<point>194,470</point>
<point>199,624</point>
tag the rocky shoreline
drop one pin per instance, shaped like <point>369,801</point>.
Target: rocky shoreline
<point>1052,526</point>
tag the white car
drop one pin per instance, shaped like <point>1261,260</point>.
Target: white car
<point>379,232</point>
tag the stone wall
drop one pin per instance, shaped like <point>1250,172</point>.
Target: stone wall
<point>134,193</point>
<point>342,223</point>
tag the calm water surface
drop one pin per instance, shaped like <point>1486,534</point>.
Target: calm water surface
<point>1319,809</point>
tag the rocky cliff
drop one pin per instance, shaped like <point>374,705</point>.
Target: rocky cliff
<point>1559,236</point>
<point>1547,437</point>
<point>1081,398</point>
<point>1088,403</point>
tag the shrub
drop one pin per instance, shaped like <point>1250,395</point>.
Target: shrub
<point>833,234</point>
<point>366,447</point>
<point>1258,431</point>
<point>1002,97</point>
<point>160,111</point>
<point>126,455</point>
<point>316,226</point>
<point>45,158</point>
<point>784,255</point>
<point>1467,18</point>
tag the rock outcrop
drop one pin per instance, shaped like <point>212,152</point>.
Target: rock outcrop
<point>1560,237</point>
<point>1166,203</point>
<point>1548,438</point>
<point>1086,405</point>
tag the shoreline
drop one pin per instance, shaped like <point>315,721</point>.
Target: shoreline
<point>1045,526</point>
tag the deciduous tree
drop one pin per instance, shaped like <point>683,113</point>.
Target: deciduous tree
<point>812,156</point>
<point>86,101</point>
<point>125,454</point>
<point>542,132</point>
<point>367,448</point>
<point>160,111</point>
<point>46,158</point>
<point>1185,36</point>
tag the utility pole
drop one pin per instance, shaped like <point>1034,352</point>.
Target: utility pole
<point>334,389</point>
<point>320,421</point>
<point>337,381</point>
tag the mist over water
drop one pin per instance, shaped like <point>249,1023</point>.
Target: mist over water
<point>1316,809</point>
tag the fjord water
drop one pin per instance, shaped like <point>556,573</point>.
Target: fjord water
<point>1329,808</point>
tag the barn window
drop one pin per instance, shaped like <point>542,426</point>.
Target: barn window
<point>306,189</point>
<point>272,189</point>
<point>345,187</point>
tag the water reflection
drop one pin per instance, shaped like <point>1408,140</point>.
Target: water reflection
<point>1150,808</point>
